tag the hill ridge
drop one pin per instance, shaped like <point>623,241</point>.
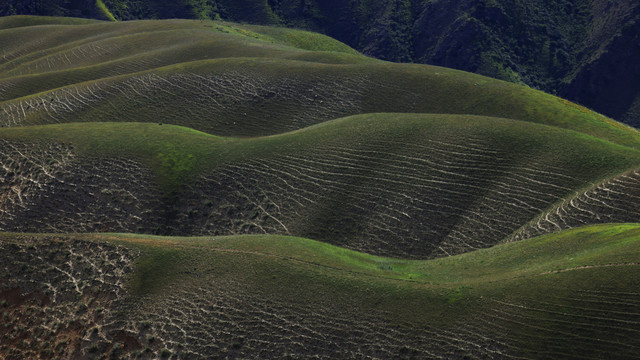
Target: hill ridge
<point>359,84</point>
<point>375,172</point>
<point>482,304</point>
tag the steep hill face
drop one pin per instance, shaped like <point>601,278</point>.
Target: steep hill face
<point>610,80</point>
<point>582,50</point>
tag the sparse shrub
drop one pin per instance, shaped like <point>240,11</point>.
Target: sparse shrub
<point>46,353</point>
<point>192,213</point>
<point>4,303</point>
<point>115,350</point>
<point>237,344</point>
<point>165,353</point>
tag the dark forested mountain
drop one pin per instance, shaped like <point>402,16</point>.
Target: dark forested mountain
<point>585,50</point>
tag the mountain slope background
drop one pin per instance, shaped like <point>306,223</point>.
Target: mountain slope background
<point>584,50</point>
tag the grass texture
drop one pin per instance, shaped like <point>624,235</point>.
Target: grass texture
<point>357,182</point>
<point>565,295</point>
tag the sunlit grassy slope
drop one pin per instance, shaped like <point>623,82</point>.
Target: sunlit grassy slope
<point>236,80</point>
<point>568,295</point>
<point>10,22</point>
<point>558,295</point>
<point>405,185</point>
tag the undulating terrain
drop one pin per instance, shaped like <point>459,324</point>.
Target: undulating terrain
<point>584,50</point>
<point>161,181</point>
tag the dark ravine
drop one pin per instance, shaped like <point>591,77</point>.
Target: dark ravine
<point>616,70</point>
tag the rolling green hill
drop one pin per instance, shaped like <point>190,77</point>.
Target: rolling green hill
<point>584,50</point>
<point>258,81</point>
<point>361,182</point>
<point>203,189</point>
<point>392,184</point>
<point>567,295</point>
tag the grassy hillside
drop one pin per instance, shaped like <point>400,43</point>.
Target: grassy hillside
<point>67,42</point>
<point>576,48</point>
<point>252,97</point>
<point>234,80</point>
<point>423,189</point>
<point>395,184</point>
<point>567,295</point>
<point>17,21</point>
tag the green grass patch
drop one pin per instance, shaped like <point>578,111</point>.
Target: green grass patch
<point>301,39</point>
<point>570,250</point>
<point>16,21</point>
<point>178,154</point>
<point>105,11</point>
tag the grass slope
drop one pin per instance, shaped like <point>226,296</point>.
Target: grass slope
<point>9,22</point>
<point>395,184</point>
<point>578,48</point>
<point>566,295</point>
<point>260,81</point>
<point>24,44</point>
